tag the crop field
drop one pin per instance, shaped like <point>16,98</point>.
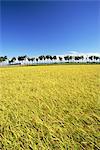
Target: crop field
<point>50,107</point>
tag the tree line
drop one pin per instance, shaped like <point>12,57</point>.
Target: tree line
<point>48,59</point>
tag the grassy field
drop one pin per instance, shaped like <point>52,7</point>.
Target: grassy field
<point>50,107</point>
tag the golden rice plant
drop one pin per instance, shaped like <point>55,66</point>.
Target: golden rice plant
<point>50,107</point>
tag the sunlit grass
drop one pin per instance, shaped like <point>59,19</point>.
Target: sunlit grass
<point>50,107</point>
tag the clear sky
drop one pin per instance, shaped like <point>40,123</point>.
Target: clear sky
<point>49,27</point>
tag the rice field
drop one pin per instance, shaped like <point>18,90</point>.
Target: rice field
<point>50,107</point>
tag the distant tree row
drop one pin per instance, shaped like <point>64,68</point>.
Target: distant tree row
<point>48,59</point>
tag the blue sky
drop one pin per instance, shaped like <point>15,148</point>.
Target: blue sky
<point>49,27</point>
